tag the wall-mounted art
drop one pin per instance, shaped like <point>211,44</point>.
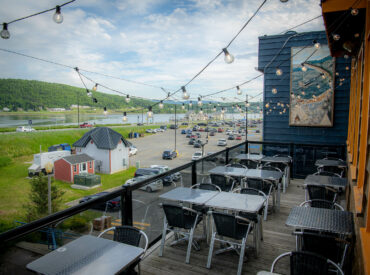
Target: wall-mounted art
<point>311,87</point>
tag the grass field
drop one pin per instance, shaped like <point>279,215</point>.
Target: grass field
<point>17,155</point>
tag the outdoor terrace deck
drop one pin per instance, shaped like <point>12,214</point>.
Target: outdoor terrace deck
<point>277,240</point>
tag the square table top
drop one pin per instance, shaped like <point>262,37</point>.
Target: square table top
<point>330,162</point>
<point>236,202</point>
<point>254,157</point>
<point>87,255</point>
<point>285,160</point>
<point>321,219</point>
<point>264,174</point>
<point>228,171</point>
<point>184,194</point>
<point>335,182</point>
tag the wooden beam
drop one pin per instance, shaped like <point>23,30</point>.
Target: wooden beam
<point>341,5</point>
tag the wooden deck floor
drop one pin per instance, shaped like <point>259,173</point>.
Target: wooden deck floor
<point>277,239</point>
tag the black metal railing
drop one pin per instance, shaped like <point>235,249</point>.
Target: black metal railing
<point>304,157</point>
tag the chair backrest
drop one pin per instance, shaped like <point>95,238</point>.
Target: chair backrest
<point>206,186</point>
<point>222,181</point>
<point>236,165</point>
<point>333,158</point>
<point>127,234</point>
<point>322,204</point>
<point>252,191</point>
<point>228,225</point>
<point>179,217</point>
<point>270,167</point>
<point>332,169</point>
<point>326,173</point>
<point>321,192</point>
<point>250,164</point>
<point>259,184</point>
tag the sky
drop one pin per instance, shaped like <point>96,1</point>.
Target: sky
<point>158,42</point>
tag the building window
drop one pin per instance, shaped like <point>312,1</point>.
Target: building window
<point>74,168</point>
<point>83,167</point>
<point>90,164</point>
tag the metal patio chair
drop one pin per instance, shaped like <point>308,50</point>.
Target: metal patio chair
<point>226,183</point>
<point>177,219</point>
<point>322,204</point>
<point>306,263</point>
<point>327,173</point>
<point>320,192</point>
<point>233,227</point>
<point>250,164</point>
<point>262,185</point>
<point>128,235</point>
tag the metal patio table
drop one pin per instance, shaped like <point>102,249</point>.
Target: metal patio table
<point>193,196</point>
<point>334,182</point>
<point>87,255</point>
<point>285,160</point>
<point>321,219</point>
<point>255,157</point>
<point>240,203</point>
<point>229,171</point>
<point>331,162</point>
<point>273,176</point>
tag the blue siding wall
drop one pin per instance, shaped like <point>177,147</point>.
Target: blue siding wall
<point>276,127</point>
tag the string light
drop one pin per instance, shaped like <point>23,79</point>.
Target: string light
<point>222,110</point>
<point>200,103</point>
<point>160,105</point>
<point>318,86</point>
<point>190,104</point>
<point>185,95</point>
<point>316,44</point>
<point>279,71</point>
<point>274,91</point>
<point>354,12</point>
<point>95,100</point>
<point>105,111</point>
<point>323,76</point>
<point>89,94</point>
<point>183,106</point>
<point>124,118</point>
<point>336,36</point>
<point>150,112</point>
<point>201,111</point>
<point>128,98</point>
<point>95,87</point>
<point>5,33</point>
<point>267,105</point>
<point>214,108</point>
<point>238,91</point>
<point>229,58</point>
<point>303,68</point>
<point>58,17</point>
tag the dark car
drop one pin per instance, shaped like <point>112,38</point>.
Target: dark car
<point>212,134</point>
<point>151,172</point>
<point>191,141</point>
<point>231,137</point>
<point>198,144</point>
<point>169,154</point>
<point>184,123</point>
<point>189,131</point>
<point>113,204</point>
<point>86,125</point>
<point>163,127</point>
<point>183,131</point>
<point>198,135</point>
<point>202,124</point>
<point>174,126</point>
<point>188,135</point>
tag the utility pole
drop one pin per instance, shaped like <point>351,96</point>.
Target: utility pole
<point>175,126</point>
<point>246,125</point>
<point>78,109</point>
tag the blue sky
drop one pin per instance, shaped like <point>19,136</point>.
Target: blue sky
<point>160,42</point>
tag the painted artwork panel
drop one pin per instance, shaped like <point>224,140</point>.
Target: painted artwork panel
<point>311,89</point>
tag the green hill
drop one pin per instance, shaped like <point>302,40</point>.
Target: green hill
<point>32,95</point>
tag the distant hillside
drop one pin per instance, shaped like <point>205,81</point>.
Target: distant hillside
<point>34,95</point>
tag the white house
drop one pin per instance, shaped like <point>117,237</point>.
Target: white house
<point>108,148</point>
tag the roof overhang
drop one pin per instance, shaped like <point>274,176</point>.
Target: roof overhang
<point>339,20</point>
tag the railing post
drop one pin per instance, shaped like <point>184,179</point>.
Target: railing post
<point>126,207</point>
<point>246,146</point>
<point>292,154</point>
<point>227,156</point>
<point>194,173</point>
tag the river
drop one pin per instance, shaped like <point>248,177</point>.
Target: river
<point>52,119</point>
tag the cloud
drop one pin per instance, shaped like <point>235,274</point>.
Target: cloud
<point>160,42</point>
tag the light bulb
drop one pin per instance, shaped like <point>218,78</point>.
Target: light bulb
<point>346,56</point>
<point>336,73</point>
<point>201,111</point>
<point>303,92</point>
<point>222,110</point>
<point>200,103</point>
<point>238,91</point>
<point>274,91</point>
<point>229,58</point>
<point>318,86</point>
<point>160,105</point>
<point>105,111</point>
<point>282,104</point>
<point>279,72</point>
<point>150,112</point>
<point>214,108</point>
<point>183,106</point>
<point>356,35</point>
<point>347,68</point>
<point>5,33</point>
<point>316,44</point>
<point>303,68</point>
<point>267,105</point>
<point>89,94</point>
<point>323,76</point>
<point>124,118</point>
<point>354,12</point>
<point>58,17</point>
<point>127,98</point>
<point>190,104</point>
<point>95,87</point>
<point>185,95</point>
<point>248,104</point>
<point>336,36</point>
<point>95,100</point>
<point>278,104</point>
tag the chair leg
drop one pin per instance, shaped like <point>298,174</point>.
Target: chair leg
<point>189,245</point>
<point>266,206</point>
<point>241,257</point>
<point>211,250</point>
<point>163,237</point>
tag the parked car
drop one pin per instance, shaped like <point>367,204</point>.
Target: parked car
<point>174,126</point>
<point>149,131</point>
<point>212,134</point>
<point>211,158</point>
<point>188,136</point>
<point>198,144</point>
<point>239,137</point>
<point>194,136</point>
<point>198,135</point>
<point>189,131</point>
<point>220,130</point>
<point>113,204</point>
<point>197,155</point>
<point>86,125</point>
<point>163,127</point>
<point>184,123</point>
<point>202,124</point>
<point>195,128</point>
<point>201,129</point>
<point>167,180</point>
<point>132,150</point>
<point>59,147</point>
<point>191,141</point>
<point>221,142</point>
<point>169,154</point>
<point>25,129</point>
<point>153,186</point>
<point>164,168</point>
<point>231,137</point>
<point>160,130</point>
<point>183,132</point>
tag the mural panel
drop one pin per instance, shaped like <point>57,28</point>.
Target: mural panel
<point>311,88</point>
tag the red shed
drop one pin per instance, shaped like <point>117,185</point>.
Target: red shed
<point>65,168</point>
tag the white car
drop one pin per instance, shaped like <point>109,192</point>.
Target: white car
<point>153,186</point>
<point>132,150</point>
<point>160,130</point>
<point>221,142</point>
<point>25,129</point>
<point>149,131</point>
<point>164,168</point>
<point>197,155</point>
